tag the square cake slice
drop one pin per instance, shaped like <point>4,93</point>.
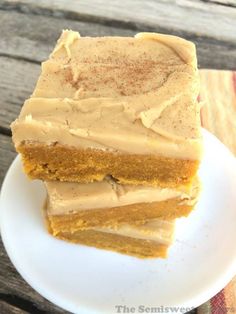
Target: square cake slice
<point>119,106</point>
<point>145,240</point>
<point>79,206</point>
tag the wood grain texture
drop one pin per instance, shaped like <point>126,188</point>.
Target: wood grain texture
<point>32,38</point>
<point>7,154</point>
<point>17,81</point>
<point>21,33</point>
<point>231,3</point>
<point>206,17</point>
<point>6,308</point>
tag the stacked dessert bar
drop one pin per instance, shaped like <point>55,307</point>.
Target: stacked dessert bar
<point>113,129</point>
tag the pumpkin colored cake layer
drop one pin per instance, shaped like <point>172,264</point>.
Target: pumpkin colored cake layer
<point>119,106</point>
<point>77,206</point>
<point>129,169</point>
<point>150,239</point>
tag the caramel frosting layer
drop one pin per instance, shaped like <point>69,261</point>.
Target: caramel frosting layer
<point>67,198</point>
<point>128,95</point>
<point>161,231</point>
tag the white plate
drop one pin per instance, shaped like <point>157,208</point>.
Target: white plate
<point>87,280</point>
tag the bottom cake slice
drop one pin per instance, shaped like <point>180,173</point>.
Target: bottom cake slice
<point>76,206</point>
<point>146,240</point>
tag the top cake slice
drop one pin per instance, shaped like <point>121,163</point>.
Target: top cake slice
<point>125,107</point>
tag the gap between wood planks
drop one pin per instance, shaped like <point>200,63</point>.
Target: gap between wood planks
<point>16,57</point>
<point>227,3</point>
<point>190,17</point>
<point>31,37</point>
<point>18,305</point>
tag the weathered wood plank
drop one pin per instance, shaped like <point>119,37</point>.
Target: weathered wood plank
<point>207,18</point>
<point>32,38</point>
<point>6,308</point>
<point>17,81</point>
<point>224,2</point>
<point>7,154</point>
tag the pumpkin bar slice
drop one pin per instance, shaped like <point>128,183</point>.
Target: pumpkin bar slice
<point>145,240</point>
<point>79,206</point>
<point>119,106</point>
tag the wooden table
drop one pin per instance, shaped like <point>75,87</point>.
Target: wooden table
<point>29,30</point>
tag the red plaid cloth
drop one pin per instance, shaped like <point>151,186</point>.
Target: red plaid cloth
<point>222,303</point>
